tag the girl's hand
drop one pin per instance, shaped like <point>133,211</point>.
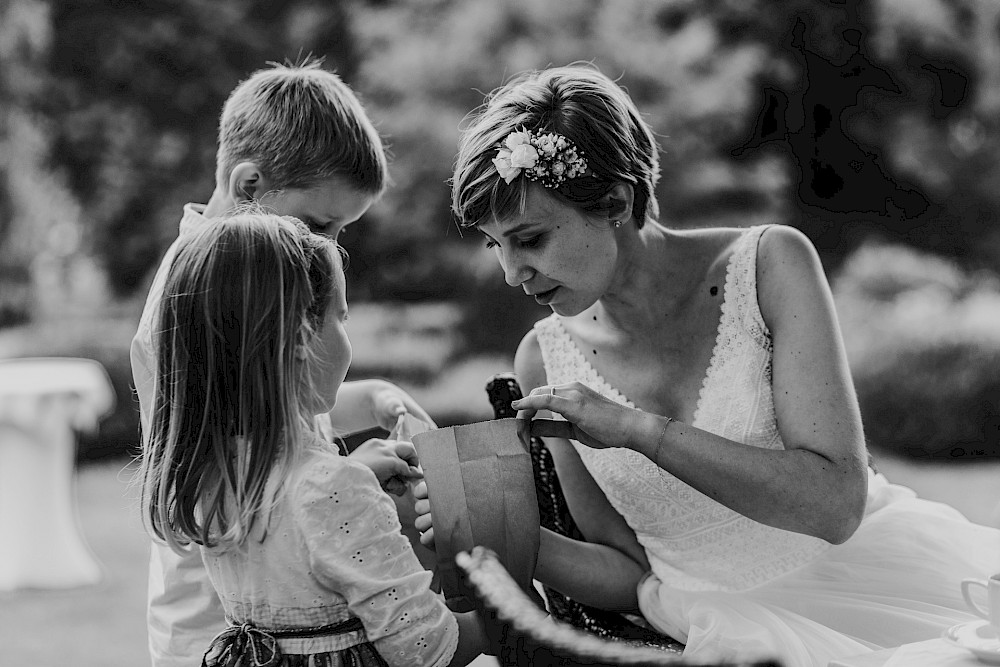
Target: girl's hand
<point>597,421</point>
<point>424,523</point>
<point>394,463</point>
<point>388,402</point>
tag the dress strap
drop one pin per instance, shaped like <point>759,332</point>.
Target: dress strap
<point>564,361</point>
<point>743,277</point>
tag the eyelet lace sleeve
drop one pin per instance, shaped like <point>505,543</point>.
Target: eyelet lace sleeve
<point>355,546</point>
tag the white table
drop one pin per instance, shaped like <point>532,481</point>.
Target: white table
<point>42,402</point>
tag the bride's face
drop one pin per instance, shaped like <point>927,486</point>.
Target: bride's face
<point>555,253</point>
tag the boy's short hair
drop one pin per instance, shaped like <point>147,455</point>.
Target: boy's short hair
<point>301,124</point>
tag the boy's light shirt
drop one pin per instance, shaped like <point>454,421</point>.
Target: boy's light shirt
<point>142,342</point>
<point>184,612</point>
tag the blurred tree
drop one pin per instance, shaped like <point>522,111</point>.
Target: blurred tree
<point>884,112</point>
<point>31,199</point>
<point>133,94</point>
<point>839,116</point>
<point>846,118</point>
<point>428,64</point>
<point>948,139</point>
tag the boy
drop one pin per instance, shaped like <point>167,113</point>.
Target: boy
<point>296,140</point>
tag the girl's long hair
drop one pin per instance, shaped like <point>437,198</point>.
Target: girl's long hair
<point>240,296</point>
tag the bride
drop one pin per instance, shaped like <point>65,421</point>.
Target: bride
<point>719,465</point>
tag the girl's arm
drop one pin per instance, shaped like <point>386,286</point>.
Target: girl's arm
<point>356,550</point>
<point>817,484</point>
<point>365,404</point>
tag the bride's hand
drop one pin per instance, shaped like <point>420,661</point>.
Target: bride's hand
<point>596,421</point>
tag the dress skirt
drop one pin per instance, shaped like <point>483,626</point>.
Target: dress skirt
<point>895,581</point>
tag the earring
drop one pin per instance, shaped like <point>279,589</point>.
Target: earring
<point>617,223</point>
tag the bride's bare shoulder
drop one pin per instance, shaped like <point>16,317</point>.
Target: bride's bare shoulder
<point>713,245</point>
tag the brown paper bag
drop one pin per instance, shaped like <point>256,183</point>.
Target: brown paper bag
<point>482,492</point>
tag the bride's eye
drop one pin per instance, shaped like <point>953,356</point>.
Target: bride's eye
<point>533,242</point>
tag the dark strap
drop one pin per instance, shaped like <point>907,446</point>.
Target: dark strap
<point>341,628</point>
<point>244,645</point>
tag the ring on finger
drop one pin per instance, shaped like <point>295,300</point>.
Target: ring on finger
<point>552,390</point>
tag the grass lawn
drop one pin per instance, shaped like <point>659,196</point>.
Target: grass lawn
<point>104,625</point>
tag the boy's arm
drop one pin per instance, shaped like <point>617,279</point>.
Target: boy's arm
<point>184,613</point>
<point>364,404</point>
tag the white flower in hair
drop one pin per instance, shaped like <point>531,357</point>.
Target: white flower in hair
<point>524,156</point>
<point>515,139</point>
<point>502,162</point>
<point>546,145</point>
<point>548,158</point>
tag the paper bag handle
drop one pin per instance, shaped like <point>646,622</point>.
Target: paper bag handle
<point>553,428</point>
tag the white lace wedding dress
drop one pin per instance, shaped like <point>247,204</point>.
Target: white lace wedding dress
<point>730,587</point>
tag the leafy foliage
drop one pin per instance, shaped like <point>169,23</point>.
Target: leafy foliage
<point>133,93</point>
<point>854,121</point>
<point>839,116</point>
<point>923,342</point>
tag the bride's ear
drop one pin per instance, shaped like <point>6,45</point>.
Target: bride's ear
<point>616,204</point>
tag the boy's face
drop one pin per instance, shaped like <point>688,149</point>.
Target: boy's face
<point>327,208</point>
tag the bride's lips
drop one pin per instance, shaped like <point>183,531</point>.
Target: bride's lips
<point>545,297</point>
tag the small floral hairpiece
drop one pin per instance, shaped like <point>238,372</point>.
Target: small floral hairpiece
<point>548,158</point>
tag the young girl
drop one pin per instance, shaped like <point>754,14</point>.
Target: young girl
<point>303,547</point>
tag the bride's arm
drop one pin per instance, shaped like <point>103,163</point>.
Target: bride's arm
<point>602,526</point>
<point>817,484</point>
<point>593,574</point>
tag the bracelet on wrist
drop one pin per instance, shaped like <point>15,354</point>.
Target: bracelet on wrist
<point>659,441</point>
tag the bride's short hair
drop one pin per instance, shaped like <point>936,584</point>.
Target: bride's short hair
<point>577,102</point>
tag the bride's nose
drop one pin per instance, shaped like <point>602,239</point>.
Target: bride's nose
<point>515,269</point>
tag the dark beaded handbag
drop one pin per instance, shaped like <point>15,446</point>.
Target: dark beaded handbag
<point>554,515</point>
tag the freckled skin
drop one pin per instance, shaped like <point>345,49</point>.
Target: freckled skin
<point>556,246</point>
<point>655,339</point>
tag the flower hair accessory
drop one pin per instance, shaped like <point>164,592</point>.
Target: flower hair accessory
<point>548,158</point>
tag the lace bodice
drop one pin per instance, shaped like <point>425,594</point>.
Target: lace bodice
<point>692,541</point>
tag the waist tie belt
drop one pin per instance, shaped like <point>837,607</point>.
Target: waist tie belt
<point>245,645</point>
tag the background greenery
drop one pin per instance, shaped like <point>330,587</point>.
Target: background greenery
<point>872,126</point>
